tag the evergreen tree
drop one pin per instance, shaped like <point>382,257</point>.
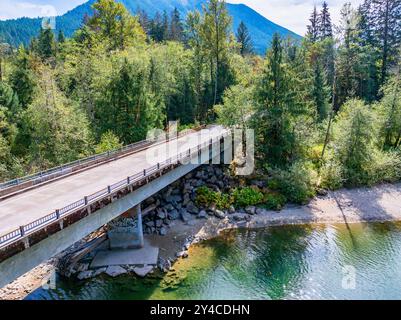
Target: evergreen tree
<point>365,24</point>
<point>129,109</point>
<point>61,37</point>
<point>386,15</point>
<point>156,29</point>
<point>165,26</point>
<point>46,46</point>
<point>22,79</point>
<point>325,26</point>
<point>326,36</point>
<point>319,91</point>
<point>144,20</point>
<point>244,39</point>
<point>176,27</point>
<point>348,57</point>
<point>8,98</point>
<point>197,67</point>
<point>276,109</point>
<point>313,29</point>
<point>215,31</point>
<point>390,110</point>
<point>5,50</point>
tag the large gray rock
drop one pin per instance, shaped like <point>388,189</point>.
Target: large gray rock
<point>161,214</point>
<point>174,215</point>
<point>191,208</point>
<point>163,231</point>
<point>250,210</point>
<point>174,199</point>
<point>202,215</point>
<point>98,272</point>
<point>260,211</point>
<point>185,216</point>
<point>186,200</point>
<point>239,217</point>
<point>219,214</point>
<point>143,271</point>
<point>115,271</point>
<point>213,180</point>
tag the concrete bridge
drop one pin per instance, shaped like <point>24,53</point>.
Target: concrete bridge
<point>44,215</point>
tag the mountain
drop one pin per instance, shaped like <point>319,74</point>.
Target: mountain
<point>21,30</point>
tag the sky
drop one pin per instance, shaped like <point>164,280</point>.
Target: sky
<point>292,14</point>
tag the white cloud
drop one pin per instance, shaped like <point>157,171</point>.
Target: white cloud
<point>10,9</point>
<point>294,14</point>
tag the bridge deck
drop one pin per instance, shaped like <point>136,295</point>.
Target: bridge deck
<point>33,204</point>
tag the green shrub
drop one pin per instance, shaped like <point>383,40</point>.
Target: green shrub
<point>247,196</point>
<point>332,175</point>
<point>108,142</point>
<point>385,167</point>
<point>205,197</point>
<point>274,201</point>
<point>297,184</point>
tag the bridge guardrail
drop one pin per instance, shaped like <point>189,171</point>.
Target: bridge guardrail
<point>15,235</point>
<point>67,168</point>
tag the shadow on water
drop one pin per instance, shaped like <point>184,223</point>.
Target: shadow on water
<point>100,288</point>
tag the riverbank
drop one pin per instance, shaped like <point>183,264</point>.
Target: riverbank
<point>376,204</point>
<point>379,203</point>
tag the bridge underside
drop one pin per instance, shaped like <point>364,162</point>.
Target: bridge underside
<point>26,260</point>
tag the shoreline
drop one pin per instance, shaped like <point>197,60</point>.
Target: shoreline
<point>380,203</point>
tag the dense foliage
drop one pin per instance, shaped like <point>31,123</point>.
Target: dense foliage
<point>326,112</point>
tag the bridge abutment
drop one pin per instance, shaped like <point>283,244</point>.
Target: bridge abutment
<point>126,232</point>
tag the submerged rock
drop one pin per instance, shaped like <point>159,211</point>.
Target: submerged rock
<point>143,271</point>
<point>114,271</point>
<point>85,275</point>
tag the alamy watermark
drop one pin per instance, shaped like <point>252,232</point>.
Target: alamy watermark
<point>49,13</point>
<point>234,147</point>
<point>349,278</point>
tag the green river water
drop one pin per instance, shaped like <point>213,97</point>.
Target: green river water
<point>291,262</point>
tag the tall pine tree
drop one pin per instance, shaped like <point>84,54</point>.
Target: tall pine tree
<point>244,39</point>
<point>313,29</point>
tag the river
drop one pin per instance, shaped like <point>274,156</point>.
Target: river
<point>359,261</point>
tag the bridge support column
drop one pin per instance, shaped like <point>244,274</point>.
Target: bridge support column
<point>137,212</point>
